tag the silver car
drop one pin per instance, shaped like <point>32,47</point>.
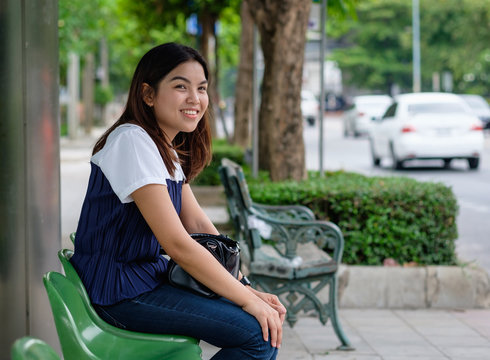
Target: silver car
<point>358,118</point>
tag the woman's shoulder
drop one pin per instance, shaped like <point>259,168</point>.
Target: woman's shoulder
<point>127,130</point>
<point>124,138</point>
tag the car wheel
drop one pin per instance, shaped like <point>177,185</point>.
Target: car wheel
<point>447,163</point>
<point>473,163</point>
<point>375,158</point>
<point>396,164</point>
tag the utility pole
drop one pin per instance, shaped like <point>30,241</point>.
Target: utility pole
<point>255,105</point>
<point>416,45</point>
<point>323,45</point>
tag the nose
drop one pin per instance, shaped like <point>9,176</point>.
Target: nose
<point>193,97</point>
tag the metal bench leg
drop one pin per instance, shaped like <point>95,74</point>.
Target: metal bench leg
<point>346,346</point>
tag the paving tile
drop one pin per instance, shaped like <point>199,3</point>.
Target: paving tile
<point>470,341</point>
<point>462,331</point>
<point>407,350</point>
<point>294,355</point>
<point>208,350</point>
<point>403,339</point>
<point>467,352</point>
<point>350,356</point>
<point>433,357</point>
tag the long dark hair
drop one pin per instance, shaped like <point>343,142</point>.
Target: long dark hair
<point>194,148</point>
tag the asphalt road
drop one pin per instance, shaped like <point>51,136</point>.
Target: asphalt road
<point>472,188</point>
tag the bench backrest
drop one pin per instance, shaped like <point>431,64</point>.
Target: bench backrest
<point>239,203</point>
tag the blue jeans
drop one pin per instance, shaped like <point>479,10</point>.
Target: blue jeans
<point>169,310</point>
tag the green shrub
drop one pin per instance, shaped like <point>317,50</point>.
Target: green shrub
<point>103,94</point>
<point>380,217</point>
<point>221,149</point>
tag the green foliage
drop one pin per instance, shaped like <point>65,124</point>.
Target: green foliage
<point>81,24</point>
<point>380,217</point>
<point>103,94</point>
<point>133,27</point>
<point>228,50</point>
<point>376,51</point>
<point>221,149</point>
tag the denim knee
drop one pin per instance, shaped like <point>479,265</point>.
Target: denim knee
<point>255,348</point>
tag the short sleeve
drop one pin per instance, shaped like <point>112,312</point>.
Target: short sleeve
<point>130,160</point>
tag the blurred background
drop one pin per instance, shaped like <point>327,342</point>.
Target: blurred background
<point>369,50</point>
<point>374,51</point>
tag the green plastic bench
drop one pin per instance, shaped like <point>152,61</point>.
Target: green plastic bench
<point>84,335</point>
<point>282,251</point>
<point>30,348</point>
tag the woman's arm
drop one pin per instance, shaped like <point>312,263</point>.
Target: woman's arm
<point>192,215</point>
<point>155,205</point>
<point>196,221</point>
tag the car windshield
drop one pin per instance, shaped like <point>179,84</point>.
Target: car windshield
<point>476,102</point>
<point>445,107</point>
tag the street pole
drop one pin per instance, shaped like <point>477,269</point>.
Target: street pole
<point>416,45</point>
<point>255,115</point>
<point>323,15</point>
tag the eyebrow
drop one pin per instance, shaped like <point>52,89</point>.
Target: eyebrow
<point>187,80</point>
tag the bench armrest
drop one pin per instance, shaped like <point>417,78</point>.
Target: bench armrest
<point>293,232</point>
<point>286,212</point>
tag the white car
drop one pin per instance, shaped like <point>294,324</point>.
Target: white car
<point>358,118</point>
<point>427,126</point>
<point>309,107</point>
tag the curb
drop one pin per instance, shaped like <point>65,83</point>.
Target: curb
<point>437,287</point>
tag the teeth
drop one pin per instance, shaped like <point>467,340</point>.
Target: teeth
<point>190,112</point>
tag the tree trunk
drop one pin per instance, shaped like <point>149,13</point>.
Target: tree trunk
<point>243,89</point>
<point>282,26</point>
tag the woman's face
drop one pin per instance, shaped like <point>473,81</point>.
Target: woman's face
<point>181,99</point>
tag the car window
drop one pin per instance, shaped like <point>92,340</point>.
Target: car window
<point>390,112</point>
<point>445,107</point>
<point>476,102</point>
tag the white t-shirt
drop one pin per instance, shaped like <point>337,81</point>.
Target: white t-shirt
<point>130,160</point>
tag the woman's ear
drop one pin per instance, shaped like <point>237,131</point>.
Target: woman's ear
<point>148,94</point>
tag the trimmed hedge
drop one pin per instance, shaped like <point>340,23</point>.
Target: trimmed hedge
<point>221,149</point>
<point>380,217</point>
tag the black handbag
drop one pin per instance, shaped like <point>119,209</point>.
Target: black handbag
<point>224,249</point>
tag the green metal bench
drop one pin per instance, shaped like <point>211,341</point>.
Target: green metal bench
<point>84,335</point>
<point>282,251</point>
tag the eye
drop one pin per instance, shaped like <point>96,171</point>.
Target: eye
<point>202,88</point>
<point>180,86</point>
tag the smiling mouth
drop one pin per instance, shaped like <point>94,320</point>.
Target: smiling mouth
<point>190,112</point>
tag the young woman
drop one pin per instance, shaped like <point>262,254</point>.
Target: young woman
<point>139,200</point>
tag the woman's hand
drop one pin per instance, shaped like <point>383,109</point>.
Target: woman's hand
<point>268,318</point>
<point>273,301</point>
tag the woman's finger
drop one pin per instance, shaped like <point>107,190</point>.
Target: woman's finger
<point>281,310</point>
<point>273,327</point>
<point>265,328</point>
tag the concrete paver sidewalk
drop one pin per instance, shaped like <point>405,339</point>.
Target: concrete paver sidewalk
<point>390,335</point>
